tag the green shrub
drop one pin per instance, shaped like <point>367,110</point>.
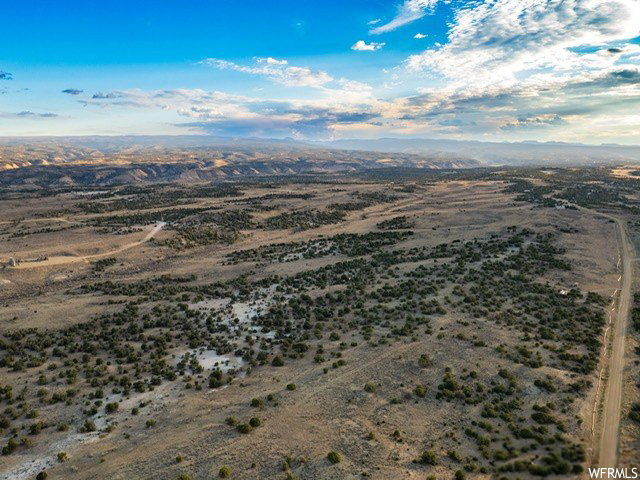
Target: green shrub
<point>424,361</point>
<point>89,426</point>
<point>35,428</point>
<point>334,457</point>
<point>429,458</point>
<point>420,391</point>
<point>244,428</point>
<point>255,422</point>
<point>10,446</point>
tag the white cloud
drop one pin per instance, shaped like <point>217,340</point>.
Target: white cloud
<point>409,11</point>
<point>531,122</point>
<point>302,77</point>
<point>374,21</point>
<point>509,70</point>
<point>362,46</point>
<point>511,66</point>
<point>419,36</point>
<point>272,61</point>
<point>277,70</point>
<point>495,40</point>
<point>316,115</point>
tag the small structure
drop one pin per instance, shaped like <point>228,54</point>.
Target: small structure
<point>12,262</point>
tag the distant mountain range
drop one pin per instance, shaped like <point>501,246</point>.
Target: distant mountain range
<point>68,161</point>
<point>494,153</point>
<point>80,161</point>
<point>108,143</point>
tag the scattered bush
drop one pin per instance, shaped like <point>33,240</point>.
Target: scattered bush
<point>369,387</point>
<point>244,428</point>
<point>334,457</point>
<point>255,422</point>
<point>420,391</point>
<point>429,458</point>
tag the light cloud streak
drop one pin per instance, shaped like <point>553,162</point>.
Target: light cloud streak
<point>28,114</point>
<point>277,70</point>
<point>408,12</point>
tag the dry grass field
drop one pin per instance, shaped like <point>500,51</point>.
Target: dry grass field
<point>418,329</point>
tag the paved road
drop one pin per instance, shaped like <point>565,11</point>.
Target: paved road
<point>609,438</point>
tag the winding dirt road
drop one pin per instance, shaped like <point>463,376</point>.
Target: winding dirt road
<point>61,260</point>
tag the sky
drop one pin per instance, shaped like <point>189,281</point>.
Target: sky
<point>491,70</point>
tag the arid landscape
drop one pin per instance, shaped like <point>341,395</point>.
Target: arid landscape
<point>337,240</point>
<point>392,323</point>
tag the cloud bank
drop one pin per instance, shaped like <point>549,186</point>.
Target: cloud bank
<point>543,69</point>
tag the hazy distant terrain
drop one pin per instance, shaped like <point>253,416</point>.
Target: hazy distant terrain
<point>503,153</point>
<point>422,153</point>
<point>69,161</point>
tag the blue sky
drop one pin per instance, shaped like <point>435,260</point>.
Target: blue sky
<point>495,70</point>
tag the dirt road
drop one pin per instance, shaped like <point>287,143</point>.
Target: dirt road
<point>36,220</point>
<point>612,403</point>
<point>61,260</point>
